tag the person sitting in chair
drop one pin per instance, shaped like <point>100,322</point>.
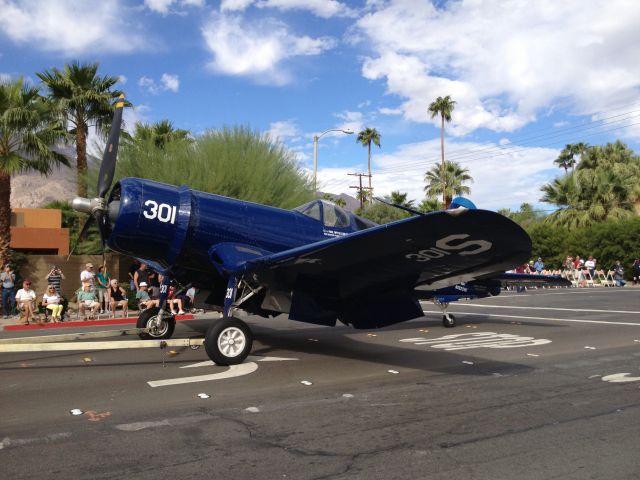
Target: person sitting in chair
<point>51,300</point>
<point>144,300</point>
<point>25,301</point>
<point>87,299</point>
<point>117,298</point>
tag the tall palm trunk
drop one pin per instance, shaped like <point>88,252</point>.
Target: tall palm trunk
<point>444,183</point>
<point>81,158</point>
<point>370,196</point>
<point>5,217</point>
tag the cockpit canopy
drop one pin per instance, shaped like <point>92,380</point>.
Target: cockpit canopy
<point>331,215</point>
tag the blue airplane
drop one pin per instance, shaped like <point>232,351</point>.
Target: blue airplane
<point>318,263</point>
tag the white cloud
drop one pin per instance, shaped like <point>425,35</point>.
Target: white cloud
<point>521,172</point>
<point>168,82</point>
<point>257,49</point>
<point>283,130</point>
<point>504,63</point>
<point>234,5</point>
<point>122,79</point>
<point>320,8</point>
<point>62,26</point>
<point>5,77</point>
<point>390,111</point>
<point>165,6</point>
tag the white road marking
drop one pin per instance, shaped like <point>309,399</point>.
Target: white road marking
<point>467,341</point>
<point>7,442</point>
<point>571,291</point>
<point>234,371</point>
<point>251,358</point>
<point>551,319</point>
<point>620,378</point>
<point>477,305</point>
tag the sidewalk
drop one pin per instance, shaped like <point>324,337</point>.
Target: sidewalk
<point>11,324</point>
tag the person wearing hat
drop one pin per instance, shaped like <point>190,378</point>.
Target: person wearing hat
<point>26,301</point>
<point>88,276</point>
<point>87,299</point>
<point>144,299</point>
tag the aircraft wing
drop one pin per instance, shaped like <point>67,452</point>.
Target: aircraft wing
<point>438,249</point>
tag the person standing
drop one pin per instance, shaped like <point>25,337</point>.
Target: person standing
<point>26,300</point>
<point>635,271</point>
<point>55,278</point>
<point>141,275</point>
<point>102,283</point>
<point>132,271</point>
<point>8,279</point>
<point>88,276</point>
<point>539,266</point>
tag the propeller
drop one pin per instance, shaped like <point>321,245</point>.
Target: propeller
<point>96,207</point>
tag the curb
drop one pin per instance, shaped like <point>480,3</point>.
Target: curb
<point>88,323</point>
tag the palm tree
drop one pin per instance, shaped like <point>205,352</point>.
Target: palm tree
<point>366,137</point>
<point>564,160</point>
<point>159,133</point>
<point>448,181</point>
<point>28,130</point>
<point>401,199</point>
<point>603,186</point>
<point>443,107</point>
<point>84,100</point>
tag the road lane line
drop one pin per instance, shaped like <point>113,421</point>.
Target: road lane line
<point>550,319</point>
<point>477,305</point>
<point>234,371</point>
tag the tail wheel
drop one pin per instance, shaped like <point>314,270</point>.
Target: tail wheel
<point>162,331</point>
<point>448,320</point>
<point>228,341</point>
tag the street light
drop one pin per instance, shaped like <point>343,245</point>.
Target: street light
<point>315,152</point>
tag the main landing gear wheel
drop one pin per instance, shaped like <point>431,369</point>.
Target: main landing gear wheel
<point>228,341</point>
<point>161,332</point>
<point>448,320</point>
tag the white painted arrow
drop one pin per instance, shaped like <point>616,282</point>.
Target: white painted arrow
<point>234,371</point>
<point>620,378</point>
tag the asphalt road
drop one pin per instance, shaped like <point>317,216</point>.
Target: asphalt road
<point>527,386</point>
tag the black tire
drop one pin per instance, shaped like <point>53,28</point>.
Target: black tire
<point>166,329</point>
<point>448,320</point>
<point>228,341</point>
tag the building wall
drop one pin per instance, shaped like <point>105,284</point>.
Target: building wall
<point>39,229</point>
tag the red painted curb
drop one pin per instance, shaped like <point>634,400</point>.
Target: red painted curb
<point>88,323</point>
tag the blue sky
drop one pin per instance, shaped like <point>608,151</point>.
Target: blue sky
<point>528,77</point>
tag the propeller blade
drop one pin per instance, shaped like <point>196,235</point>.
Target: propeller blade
<point>99,216</point>
<point>108,166</point>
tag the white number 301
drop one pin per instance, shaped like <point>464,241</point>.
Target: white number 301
<point>164,212</point>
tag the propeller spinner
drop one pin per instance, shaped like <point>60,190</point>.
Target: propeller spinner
<point>96,207</point>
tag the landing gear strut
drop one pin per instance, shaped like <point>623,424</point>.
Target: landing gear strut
<point>448,319</point>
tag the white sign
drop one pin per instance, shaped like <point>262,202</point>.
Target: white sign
<point>467,341</point>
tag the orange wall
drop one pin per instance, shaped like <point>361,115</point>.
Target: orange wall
<point>40,231</point>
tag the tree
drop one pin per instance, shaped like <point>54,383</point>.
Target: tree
<point>28,131</point>
<point>448,181</point>
<point>158,133</point>
<point>429,205</point>
<point>526,216</point>
<point>443,107</point>
<point>400,199</point>
<point>233,161</point>
<point>605,185</point>
<point>84,100</point>
<point>564,160</point>
<point>366,137</point>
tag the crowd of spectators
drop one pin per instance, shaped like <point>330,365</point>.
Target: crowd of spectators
<point>582,273</point>
<point>97,294</point>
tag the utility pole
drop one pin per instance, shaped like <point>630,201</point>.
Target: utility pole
<point>360,188</point>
